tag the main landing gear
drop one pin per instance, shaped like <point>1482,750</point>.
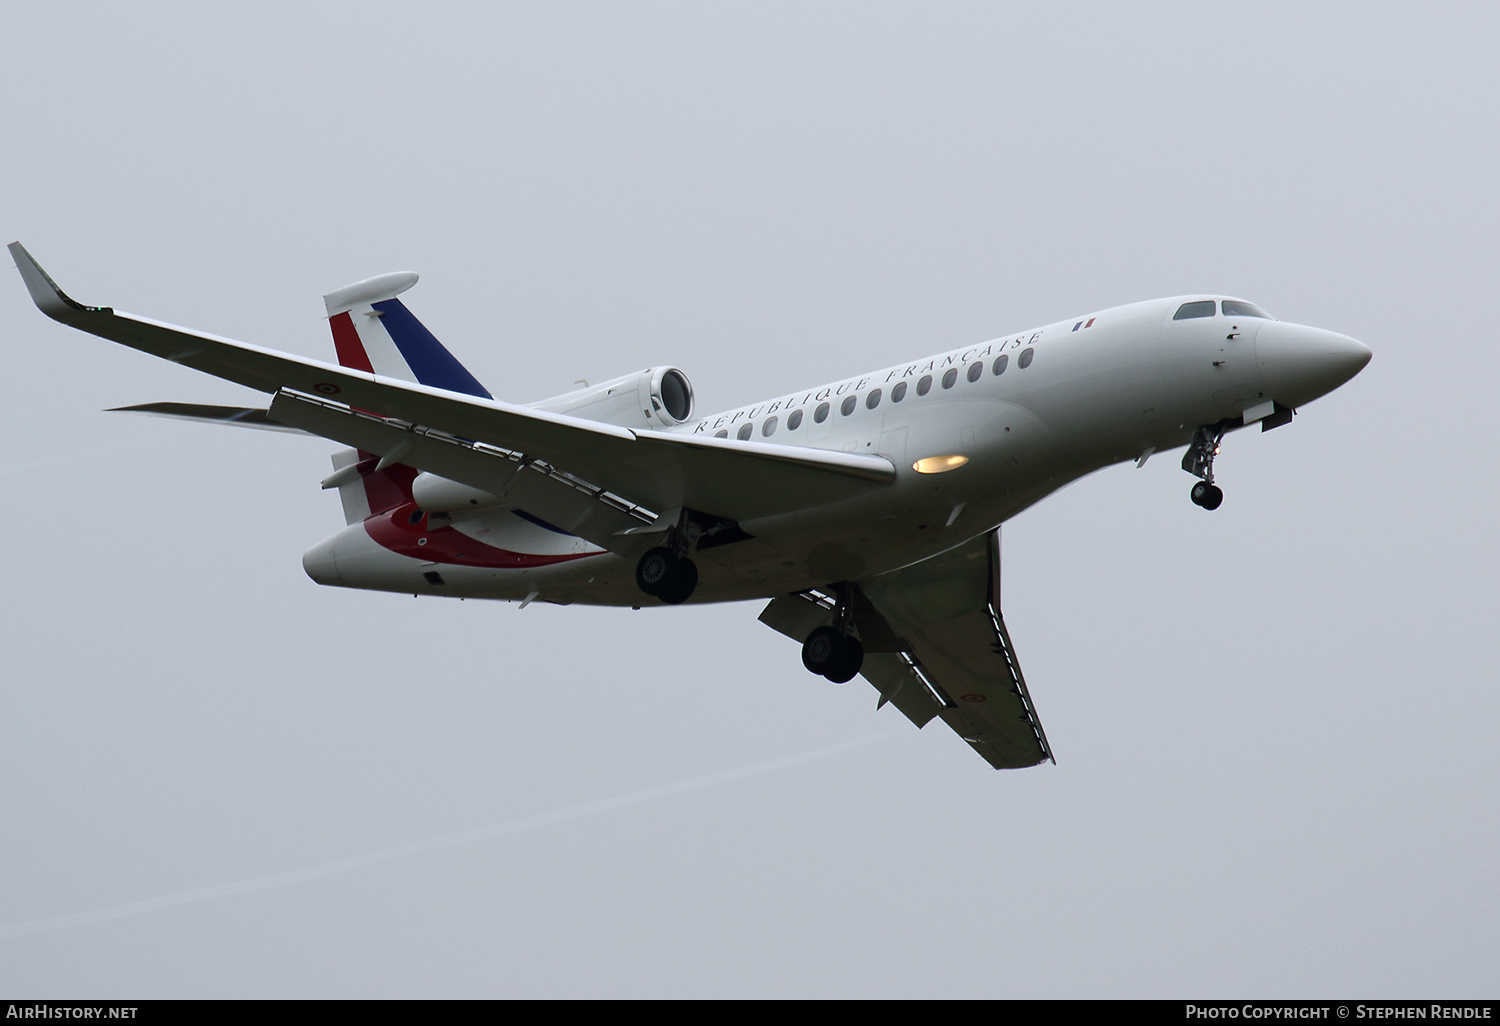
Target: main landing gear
<point>1207,495</point>
<point>666,572</point>
<point>1199,461</point>
<point>834,652</point>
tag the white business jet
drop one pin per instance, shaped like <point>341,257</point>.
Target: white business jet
<point>867,510</point>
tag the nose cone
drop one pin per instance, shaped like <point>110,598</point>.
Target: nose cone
<point>320,565</point>
<point>1299,363</point>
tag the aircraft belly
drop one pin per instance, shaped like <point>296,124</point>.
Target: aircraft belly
<point>817,547</point>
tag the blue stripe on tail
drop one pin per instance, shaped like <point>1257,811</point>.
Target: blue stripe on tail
<point>429,361</point>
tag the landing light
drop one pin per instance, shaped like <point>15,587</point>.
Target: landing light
<point>939,464</point>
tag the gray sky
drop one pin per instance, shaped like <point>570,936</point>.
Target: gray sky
<point>1274,724</point>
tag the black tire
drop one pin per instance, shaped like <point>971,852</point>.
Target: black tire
<point>1199,492</point>
<point>1214,498</point>
<point>655,569</point>
<point>820,652</point>
<point>851,657</point>
<point>680,583</point>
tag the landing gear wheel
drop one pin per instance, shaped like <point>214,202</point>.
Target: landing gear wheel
<point>1207,495</point>
<point>851,658</point>
<point>680,583</point>
<point>655,569</point>
<point>820,651</point>
<point>829,654</point>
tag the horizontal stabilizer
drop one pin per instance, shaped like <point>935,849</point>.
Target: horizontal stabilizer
<point>234,416</point>
<point>368,292</point>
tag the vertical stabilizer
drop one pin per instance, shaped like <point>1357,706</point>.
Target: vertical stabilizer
<point>374,331</point>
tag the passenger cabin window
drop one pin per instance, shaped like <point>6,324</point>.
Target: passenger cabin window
<point>850,402</point>
<point>872,400</point>
<point>975,369</point>
<point>1235,308</point>
<point>1000,362</point>
<point>925,385</point>
<point>721,434</point>
<point>899,392</point>
<point>794,421</point>
<point>950,377</point>
<point>1024,360</point>
<point>744,431</point>
<point>821,414</point>
<point>769,427</point>
<point>1201,308</point>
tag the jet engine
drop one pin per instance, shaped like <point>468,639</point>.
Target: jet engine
<point>658,397</point>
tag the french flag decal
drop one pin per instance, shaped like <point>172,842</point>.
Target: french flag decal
<point>374,331</point>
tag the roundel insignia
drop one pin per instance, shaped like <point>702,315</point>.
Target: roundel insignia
<point>327,388</point>
<point>972,698</point>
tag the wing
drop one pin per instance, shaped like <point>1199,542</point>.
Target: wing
<point>651,470</point>
<point>951,654</point>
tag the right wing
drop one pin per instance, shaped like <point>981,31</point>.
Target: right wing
<point>950,654</point>
<point>657,470</point>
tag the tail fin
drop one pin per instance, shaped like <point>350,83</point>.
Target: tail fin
<point>374,331</point>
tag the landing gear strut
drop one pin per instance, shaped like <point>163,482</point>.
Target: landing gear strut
<point>834,652</point>
<point>666,572</point>
<point>1199,461</point>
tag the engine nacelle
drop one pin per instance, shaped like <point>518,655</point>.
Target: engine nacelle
<point>659,397</point>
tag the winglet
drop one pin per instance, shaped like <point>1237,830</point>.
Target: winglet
<point>49,299</point>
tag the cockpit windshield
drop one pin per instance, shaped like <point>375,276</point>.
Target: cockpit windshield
<point>1187,311</point>
<point>1232,308</point>
<point>1236,308</point>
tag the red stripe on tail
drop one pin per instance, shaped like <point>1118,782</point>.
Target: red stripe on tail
<point>347,344</point>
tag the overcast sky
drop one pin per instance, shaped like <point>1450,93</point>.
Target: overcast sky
<point>1274,724</point>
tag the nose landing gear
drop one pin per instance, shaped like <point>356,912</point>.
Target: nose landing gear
<point>1199,461</point>
<point>834,652</point>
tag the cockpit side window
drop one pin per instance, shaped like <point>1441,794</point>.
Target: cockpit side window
<point>1235,308</point>
<point>1201,308</point>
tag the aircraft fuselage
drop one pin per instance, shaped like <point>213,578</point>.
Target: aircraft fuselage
<point>976,435</point>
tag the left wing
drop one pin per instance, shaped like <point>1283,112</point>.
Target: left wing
<point>731,479</point>
<point>951,656</point>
